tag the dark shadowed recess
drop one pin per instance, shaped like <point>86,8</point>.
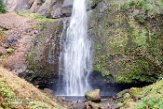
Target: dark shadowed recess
<point>107,86</point>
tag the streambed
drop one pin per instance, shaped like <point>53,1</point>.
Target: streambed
<point>108,88</point>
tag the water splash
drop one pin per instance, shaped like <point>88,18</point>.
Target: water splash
<point>77,58</point>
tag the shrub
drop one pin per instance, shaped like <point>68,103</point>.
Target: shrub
<point>2,7</point>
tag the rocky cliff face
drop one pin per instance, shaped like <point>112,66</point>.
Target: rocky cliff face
<point>128,39</point>
<point>48,8</point>
<point>127,36</point>
<point>29,45</point>
<point>43,58</point>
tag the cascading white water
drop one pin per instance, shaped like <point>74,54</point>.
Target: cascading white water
<point>77,58</point>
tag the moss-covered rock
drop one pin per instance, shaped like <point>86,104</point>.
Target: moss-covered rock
<point>141,98</point>
<point>42,57</point>
<point>2,7</point>
<point>128,39</point>
<point>93,95</point>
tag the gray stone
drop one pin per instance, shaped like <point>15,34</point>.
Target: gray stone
<point>93,95</point>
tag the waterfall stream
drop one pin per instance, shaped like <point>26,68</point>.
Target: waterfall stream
<point>76,55</point>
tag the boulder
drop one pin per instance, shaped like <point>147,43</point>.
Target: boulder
<point>93,95</point>
<point>18,5</point>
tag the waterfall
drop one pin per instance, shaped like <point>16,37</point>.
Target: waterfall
<point>76,54</point>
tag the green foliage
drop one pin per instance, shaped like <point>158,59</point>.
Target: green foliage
<point>130,41</point>
<point>32,64</point>
<point>151,103</point>
<point>42,105</point>
<point>135,71</point>
<point>6,92</point>
<point>41,19</point>
<point>15,93</point>
<point>10,50</point>
<point>149,97</point>
<point>144,5</point>
<point>138,36</point>
<point>147,8</point>
<point>36,16</point>
<point>142,68</point>
<point>2,36</point>
<point>2,7</point>
<point>90,1</point>
<point>155,45</point>
<point>139,18</point>
<point>38,105</point>
<point>101,64</point>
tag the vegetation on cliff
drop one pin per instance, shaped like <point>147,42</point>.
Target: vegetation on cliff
<point>128,39</point>
<point>128,36</point>
<point>149,97</point>
<point>15,93</point>
<point>2,7</point>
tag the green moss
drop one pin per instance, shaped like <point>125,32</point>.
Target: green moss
<point>38,105</point>
<point>36,16</point>
<point>129,40</point>
<point>43,21</point>
<point>151,103</point>
<point>155,45</point>
<point>138,36</point>
<point>10,50</point>
<point>101,64</point>
<point>135,71</point>
<point>2,36</point>
<point>150,97</point>
<point>90,2</point>
<point>146,6</point>
<point>33,65</point>
<point>2,7</point>
<point>15,93</point>
<point>42,105</point>
<point>6,92</point>
<point>9,96</point>
<point>139,18</point>
<point>36,68</point>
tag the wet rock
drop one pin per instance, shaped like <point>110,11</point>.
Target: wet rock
<point>93,95</point>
